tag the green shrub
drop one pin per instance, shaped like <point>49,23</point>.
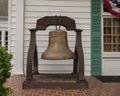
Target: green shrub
<point>5,67</point>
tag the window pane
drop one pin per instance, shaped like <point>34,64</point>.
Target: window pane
<point>107,30</point>
<point>116,31</point>
<point>107,39</point>
<point>111,35</point>
<point>107,47</point>
<point>116,47</point>
<point>6,39</point>
<point>116,22</point>
<point>107,21</point>
<point>116,39</point>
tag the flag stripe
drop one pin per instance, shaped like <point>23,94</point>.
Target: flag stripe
<point>113,12</point>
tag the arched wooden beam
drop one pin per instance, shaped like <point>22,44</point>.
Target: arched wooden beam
<point>44,22</point>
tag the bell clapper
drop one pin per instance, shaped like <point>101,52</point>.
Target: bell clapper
<point>56,27</point>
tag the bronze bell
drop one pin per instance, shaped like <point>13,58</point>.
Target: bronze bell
<point>57,47</point>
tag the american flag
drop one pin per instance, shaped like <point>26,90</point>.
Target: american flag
<point>112,6</point>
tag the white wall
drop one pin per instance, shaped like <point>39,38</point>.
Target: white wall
<point>111,64</point>
<point>3,24</point>
<point>35,9</point>
<point>12,30</point>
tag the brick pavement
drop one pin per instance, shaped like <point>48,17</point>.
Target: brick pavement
<point>96,88</point>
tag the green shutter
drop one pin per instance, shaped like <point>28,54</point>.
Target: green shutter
<point>96,37</point>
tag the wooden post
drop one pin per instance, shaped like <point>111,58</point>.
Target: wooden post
<point>75,64</point>
<point>36,61</point>
<point>31,53</point>
<point>80,58</point>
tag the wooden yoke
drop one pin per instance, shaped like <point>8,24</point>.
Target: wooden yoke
<point>44,22</point>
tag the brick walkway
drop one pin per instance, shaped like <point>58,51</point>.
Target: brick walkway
<point>96,88</point>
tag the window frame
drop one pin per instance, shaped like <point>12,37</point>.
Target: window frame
<point>107,54</point>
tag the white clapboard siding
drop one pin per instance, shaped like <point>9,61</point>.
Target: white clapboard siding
<point>3,24</point>
<point>79,10</point>
<point>111,66</point>
<point>12,30</point>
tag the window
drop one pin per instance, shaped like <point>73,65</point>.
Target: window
<point>111,34</point>
<point>4,38</point>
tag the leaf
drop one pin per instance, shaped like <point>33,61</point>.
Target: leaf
<point>1,70</point>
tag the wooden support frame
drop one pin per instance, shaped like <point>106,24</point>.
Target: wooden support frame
<point>43,80</point>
